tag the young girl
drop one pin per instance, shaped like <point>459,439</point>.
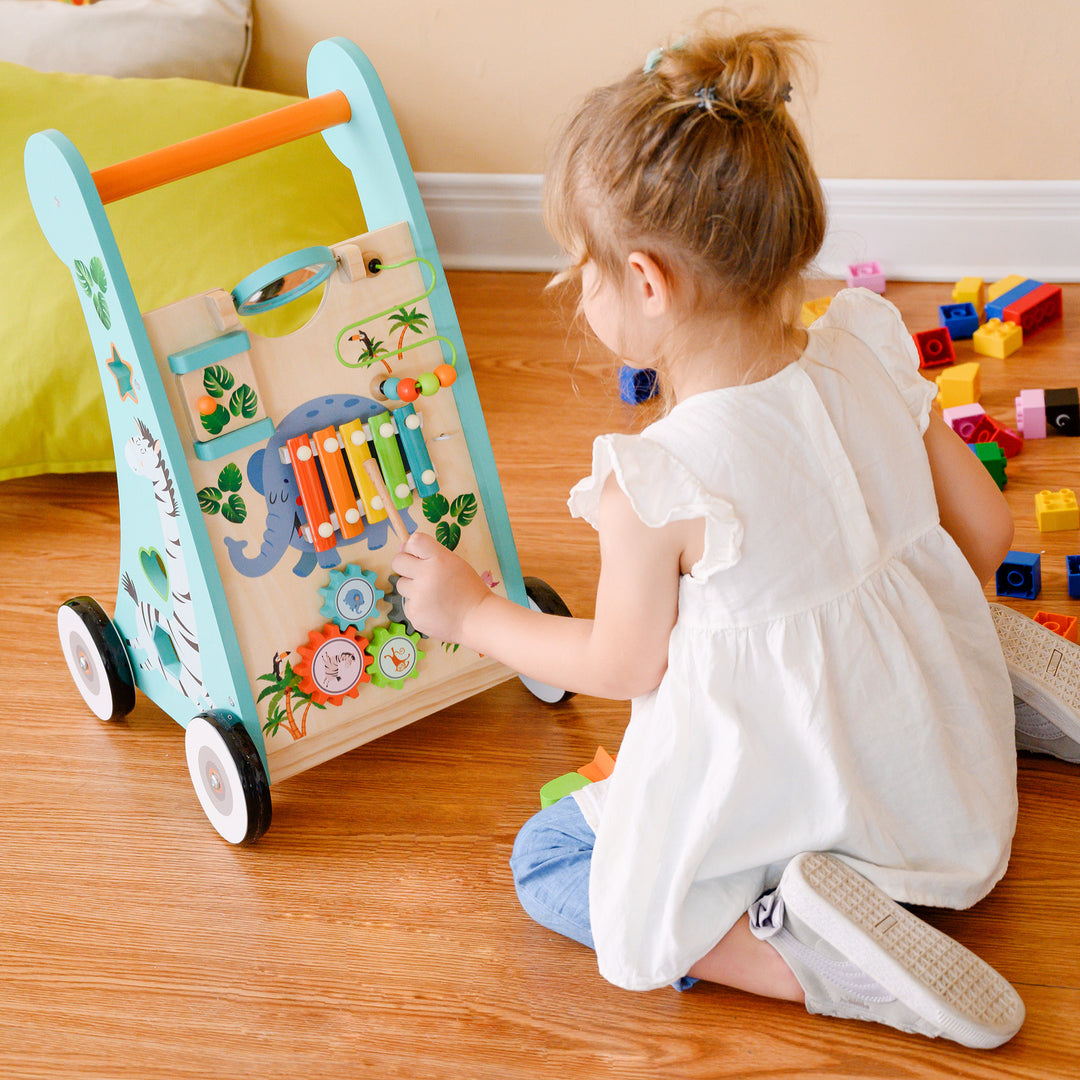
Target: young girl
<point>790,588</point>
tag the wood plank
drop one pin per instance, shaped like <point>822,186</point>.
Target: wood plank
<point>374,929</point>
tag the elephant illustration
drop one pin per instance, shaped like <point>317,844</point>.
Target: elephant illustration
<point>277,484</point>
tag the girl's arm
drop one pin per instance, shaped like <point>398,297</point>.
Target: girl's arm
<point>972,509</point>
<point>620,653</point>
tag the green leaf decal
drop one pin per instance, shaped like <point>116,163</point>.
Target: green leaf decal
<point>103,310</point>
<point>216,420</point>
<point>82,275</point>
<point>234,509</point>
<point>464,508</point>
<point>435,506</point>
<point>209,500</point>
<point>230,478</point>
<point>97,273</point>
<point>244,402</point>
<point>217,379</point>
<point>448,533</point>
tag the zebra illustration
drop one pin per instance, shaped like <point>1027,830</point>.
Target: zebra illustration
<point>171,643</point>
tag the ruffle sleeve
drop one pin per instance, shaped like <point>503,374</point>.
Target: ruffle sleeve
<point>876,322</point>
<point>661,489</point>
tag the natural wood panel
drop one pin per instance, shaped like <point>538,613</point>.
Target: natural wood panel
<point>374,930</point>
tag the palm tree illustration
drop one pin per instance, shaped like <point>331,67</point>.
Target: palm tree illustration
<point>370,351</point>
<point>403,320</point>
<point>285,695</point>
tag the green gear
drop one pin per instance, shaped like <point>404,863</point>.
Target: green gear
<point>395,654</point>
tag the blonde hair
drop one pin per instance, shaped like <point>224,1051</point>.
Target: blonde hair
<point>695,161</point>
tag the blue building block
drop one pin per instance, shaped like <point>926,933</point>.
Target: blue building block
<point>1072,562</point>
<point>1020,575</point>
<point>636,384</point>
<point>995,309</point>
<point>961,320</point>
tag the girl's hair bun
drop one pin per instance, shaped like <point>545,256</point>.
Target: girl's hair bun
<point>743,74</point>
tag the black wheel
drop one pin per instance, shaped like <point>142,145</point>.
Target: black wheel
<point>96,657</point>
<point>542,597</point>
<point>229,777</point>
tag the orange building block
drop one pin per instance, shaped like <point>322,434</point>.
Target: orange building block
<point>600,767</point>
<point>1065,625</point>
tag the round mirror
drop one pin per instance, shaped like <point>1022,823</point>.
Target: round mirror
<point>283,280</point>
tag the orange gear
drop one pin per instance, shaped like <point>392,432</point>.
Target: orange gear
<point>333,664</point>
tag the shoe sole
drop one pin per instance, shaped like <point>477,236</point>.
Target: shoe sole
<point>946,984</point>
<point>1044,668</point>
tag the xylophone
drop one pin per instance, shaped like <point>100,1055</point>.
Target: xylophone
<point>264,478</point>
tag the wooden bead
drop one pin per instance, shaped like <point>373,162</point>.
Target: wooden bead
<point>445,374</point>
<point>407,390</point>
<point>428,383</point>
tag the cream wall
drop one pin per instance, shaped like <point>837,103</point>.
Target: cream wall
<point>905,89</point>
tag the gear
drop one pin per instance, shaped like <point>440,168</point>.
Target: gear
<point>333,664</point>
<point>396,655</point>
<point>350,596</point>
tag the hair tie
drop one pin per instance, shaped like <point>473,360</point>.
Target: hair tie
<point>652,60</point>
<point>706,98</point>
<point>785,93</point>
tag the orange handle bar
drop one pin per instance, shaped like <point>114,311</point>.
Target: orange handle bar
<point>222,146</point>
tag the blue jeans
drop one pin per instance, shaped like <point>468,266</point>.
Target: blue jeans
<point>551,862</point>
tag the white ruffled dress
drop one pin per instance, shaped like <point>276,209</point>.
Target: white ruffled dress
<point>834,680</point>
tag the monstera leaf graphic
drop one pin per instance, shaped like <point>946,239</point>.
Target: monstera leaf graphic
<point>217,379</point>
<point>244,402</point>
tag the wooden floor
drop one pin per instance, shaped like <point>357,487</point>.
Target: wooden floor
<point>374,930</point>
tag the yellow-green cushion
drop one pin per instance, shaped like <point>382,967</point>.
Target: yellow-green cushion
<point>207,231</point>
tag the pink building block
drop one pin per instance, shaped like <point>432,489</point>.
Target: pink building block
<point>866,275</point>
<point>964,419</point>
<point>1031,414</point>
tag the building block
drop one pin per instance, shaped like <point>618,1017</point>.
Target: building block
<point>995,309</point>
<point>1065,625</point>
<point>812,310</point>
<point>965,420</point>
<point>1019,575</point>
<point>1031,414</point>
<point>998,339</point>
<point>601,766</point>
<point>1000,288</point>
<point>971,290</point>
<point>1057,510</point>
<point>560,787</point>
<point>958,385</point>
<point>1072,569</point>
<point>1010,442</point>
<point>636,385</point>
<point>1035,309</point>
<point>993,457</point>
<point>866,275</point>
<point>1063,410</point>
<point>961,320</point>
<point>935,347</point>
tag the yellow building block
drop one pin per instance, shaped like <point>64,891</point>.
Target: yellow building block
<point>997,338</point>
<point>812,310</point>
<point>1057,510</point>
<point>971,290</point>
<point>1000,288</point>
<point>958,385</point>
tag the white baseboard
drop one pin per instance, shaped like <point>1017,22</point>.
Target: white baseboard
<point>921,230</point>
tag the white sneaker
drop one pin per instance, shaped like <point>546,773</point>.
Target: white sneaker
<point>859,955</point>
<point>1045,671</point>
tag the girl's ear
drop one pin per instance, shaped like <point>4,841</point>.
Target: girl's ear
<point>649,285</point>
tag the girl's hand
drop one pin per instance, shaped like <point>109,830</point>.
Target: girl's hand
<point>439,588</point>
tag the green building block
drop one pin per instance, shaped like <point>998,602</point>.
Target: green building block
<point>561,786</point>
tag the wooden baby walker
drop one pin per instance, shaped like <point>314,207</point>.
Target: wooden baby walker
<point>260,477</point>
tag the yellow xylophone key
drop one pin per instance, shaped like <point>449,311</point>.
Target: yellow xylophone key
<point>356,449</point>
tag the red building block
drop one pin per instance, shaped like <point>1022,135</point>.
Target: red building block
<point>1035,309</point>
<point>1010,443</point>
<point>935,347</point>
